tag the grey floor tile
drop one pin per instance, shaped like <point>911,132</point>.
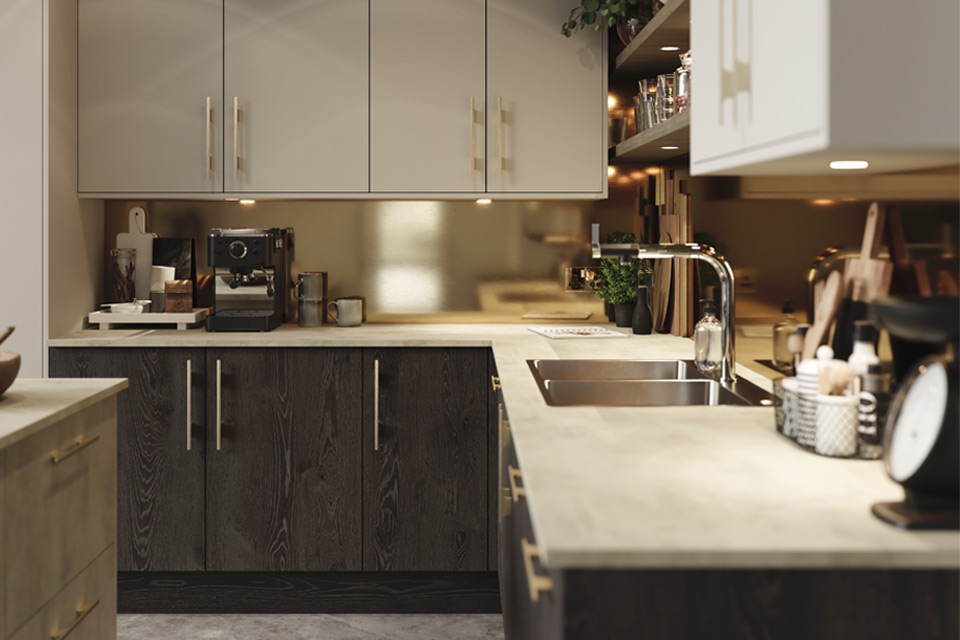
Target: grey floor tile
<point>310,627</point>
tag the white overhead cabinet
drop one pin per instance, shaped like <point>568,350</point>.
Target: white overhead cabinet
<point>426,96</point>
<point>786,88</point>
<point>295,86</point>
<point>546,102</point>
<point>150,96</point>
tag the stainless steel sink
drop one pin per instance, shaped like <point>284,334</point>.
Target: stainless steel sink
<point>637,383</point>
<point>616,370</point>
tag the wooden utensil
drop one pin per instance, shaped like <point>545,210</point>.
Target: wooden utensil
<point>909,276</point>
<point>6,334</point>
<point>825,313</point>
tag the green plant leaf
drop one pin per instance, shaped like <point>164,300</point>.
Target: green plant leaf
<point>591,5</point>
<point>572,24</point>
<point>611,21</point>
<point>589,17</point>
<point>604,11</point>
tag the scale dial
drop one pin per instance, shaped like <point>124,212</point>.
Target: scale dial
<point>918,416</point>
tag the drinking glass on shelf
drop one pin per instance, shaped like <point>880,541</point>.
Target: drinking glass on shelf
<point>664,104</point>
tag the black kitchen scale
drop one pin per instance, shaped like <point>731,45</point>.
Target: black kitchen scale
<point>922,438</point>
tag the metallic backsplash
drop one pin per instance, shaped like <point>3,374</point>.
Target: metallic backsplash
<point>414,259</point>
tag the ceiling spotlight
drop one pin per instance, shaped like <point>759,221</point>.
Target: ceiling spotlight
<point>670,148</point>
<point>484,200</point>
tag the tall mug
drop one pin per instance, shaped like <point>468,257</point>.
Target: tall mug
<point>349,311</point>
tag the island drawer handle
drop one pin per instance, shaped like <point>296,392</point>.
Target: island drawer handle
<point>534,582</point>
<point>82,613</point>
<point>81,443</point>
<point>515,491</point>
<point>495,381</point>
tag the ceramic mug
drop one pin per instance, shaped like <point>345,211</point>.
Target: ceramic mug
<point>349,311</point>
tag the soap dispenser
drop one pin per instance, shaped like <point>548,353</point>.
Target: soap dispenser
<point>707,346</point>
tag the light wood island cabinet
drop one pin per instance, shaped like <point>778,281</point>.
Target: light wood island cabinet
<point>58,499</point>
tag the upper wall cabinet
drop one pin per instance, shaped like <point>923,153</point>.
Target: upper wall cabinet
<point>426,96</point>
<point>339,98</point>
<point>546,101</point>
<point>150,96</point>
<point>786,88</point>
<point>295,87</point>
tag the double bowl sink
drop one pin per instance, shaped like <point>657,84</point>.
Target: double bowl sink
<point>638,383</point>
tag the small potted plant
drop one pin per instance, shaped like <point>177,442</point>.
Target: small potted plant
<point>629,16</point>
<point>617,283</point>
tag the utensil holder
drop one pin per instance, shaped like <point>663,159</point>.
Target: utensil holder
<point>825,425</point>
<point>836,433</point>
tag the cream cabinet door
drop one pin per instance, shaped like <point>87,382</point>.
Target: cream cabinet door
<point>546,102</point>
<point>147,71</point>
<point>297,72</point>
<point>426,70</point>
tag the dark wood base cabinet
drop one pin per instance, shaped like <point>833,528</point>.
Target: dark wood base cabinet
<point>540,604</point>
<point>293,466</point>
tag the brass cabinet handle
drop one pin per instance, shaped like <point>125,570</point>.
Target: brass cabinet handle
<point>219,413</point>
<point>376,405</point>
<point>209,119</point>
<point>500,137</point>
<point>535,582</point>
<point>473,143</point>
<point>81,443</point>
<point>515,474</point>
<point>189,403</point>
<point>236,139</point>
<point>82,613</point>
<point>495,381</point>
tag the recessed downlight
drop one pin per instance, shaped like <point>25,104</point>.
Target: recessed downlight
<point>823,202</point>
<point>484,200</point>
<point>248,202</point>
<point>669,48</point>
<point>849,164</point>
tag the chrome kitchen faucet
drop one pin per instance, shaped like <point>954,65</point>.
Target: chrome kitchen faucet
<point>628,252</point>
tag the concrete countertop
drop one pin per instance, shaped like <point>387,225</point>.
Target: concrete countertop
<point>662,487</point>
<point>29,405</point>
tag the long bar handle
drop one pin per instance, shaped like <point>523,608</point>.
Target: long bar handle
<point>219,404</point>
<point>535,582</point>
<point>236,138</point>
<point>81,443</point>
<point>189,403</point>
<point>209,120</point>
<point>473,141</point>
<point>376,405</point>
<point>82,613</point>
<point>515,491</point>
<point>500,137</point>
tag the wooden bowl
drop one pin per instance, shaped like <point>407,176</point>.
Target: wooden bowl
<point>9,368</point>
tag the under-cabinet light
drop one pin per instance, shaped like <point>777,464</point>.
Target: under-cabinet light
<point>248,202</point>
<point>822,202</point>
<point>669,48</point>
<point>849,164</point>
<point>484,200</point>
<point>670,148</point>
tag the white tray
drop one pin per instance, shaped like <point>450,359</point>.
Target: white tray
<point>572,333</point>
<point>184,320</point>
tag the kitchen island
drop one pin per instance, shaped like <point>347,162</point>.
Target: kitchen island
<point>623,493</point>
<point>58,506</point>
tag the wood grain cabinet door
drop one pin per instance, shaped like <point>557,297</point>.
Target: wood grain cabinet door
<point>283,459</point>
<point>425,459</point>
<point>160,482</point>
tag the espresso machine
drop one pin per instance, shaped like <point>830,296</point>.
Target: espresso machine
<point>251,274</point>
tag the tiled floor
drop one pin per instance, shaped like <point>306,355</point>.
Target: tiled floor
<point>310,627</point>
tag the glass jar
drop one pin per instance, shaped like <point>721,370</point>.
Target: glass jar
<point>123,265</point>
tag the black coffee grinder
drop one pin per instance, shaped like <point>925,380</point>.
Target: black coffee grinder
<point>251,274</point>
<point>922,439</point>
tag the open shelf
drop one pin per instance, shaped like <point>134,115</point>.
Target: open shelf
<point>647,145</point>
<point>643,58</point>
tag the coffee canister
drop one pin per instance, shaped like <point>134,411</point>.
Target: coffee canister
<point>311,292</point>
